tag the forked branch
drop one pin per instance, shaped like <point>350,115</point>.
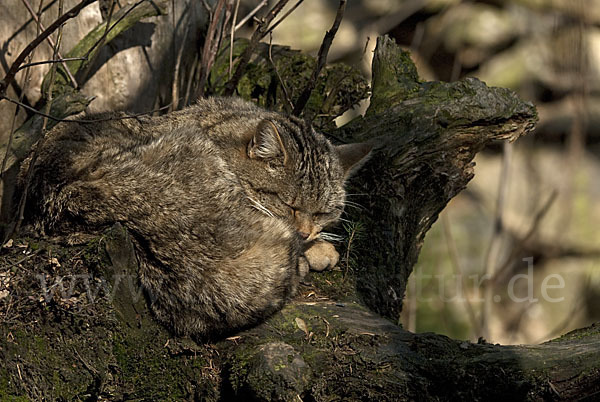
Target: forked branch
<point>9,77</point>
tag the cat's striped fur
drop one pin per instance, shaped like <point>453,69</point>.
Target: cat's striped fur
<point>221,200</point>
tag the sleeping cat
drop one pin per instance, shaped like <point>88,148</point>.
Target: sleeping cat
<point>224,202</point>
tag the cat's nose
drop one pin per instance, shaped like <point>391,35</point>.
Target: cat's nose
<point>304,235</point>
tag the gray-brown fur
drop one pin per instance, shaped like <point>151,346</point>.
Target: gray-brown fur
<point>218,197</point>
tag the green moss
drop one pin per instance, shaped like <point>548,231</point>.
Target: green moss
<point>7,392</point>
<point>338,88</point>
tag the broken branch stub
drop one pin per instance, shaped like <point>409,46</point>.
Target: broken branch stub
<point>425,135</point>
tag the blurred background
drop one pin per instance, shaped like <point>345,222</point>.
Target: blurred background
<point>514,258</point>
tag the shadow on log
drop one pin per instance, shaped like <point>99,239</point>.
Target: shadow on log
<point>74,324</point>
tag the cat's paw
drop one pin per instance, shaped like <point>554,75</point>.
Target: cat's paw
<point>321,255</point>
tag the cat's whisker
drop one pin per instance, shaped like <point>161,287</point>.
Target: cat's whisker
<point>257,205</point>
<point>353,205</point>
<point>344,220</point>
<point>330,236</point>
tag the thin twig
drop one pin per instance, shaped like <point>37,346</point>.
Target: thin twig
<point>51,42</point>
<point>321,60</point>
<point>83,121</point>
<point>350,240</point>
<point>190,79</point>
<point>283,87</point>
<point>28,256</point>
<point>458,271</point>
<point>494,249</point>
<point>207,7</point>
<point>209,44</point>
<point>29,175</point>
<point>110,27</point>
<point>175,87</point>
<point>37,63</point>
<point>23,86</point>
<point>250,15</point>
<point>520,246</point>
<point>279,21</point>
<point>232,34</point>
<point>9,77</point>
<point>223,30</point>
<point>256,36</point>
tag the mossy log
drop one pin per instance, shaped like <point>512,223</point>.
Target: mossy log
<point>75,325</point>
<point>426,135</point>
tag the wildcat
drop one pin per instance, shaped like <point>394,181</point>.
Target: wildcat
<point>224,202</point>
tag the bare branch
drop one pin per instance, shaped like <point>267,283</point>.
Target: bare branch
<point>521,244</point>
<point>279,21</point>
<point>283,87</point>
<point>494,248</point>
<point>321,60</point>
<point>256,37</point>
<point>237,6</point>
<point>37,63</point>
<point>175,86</point>
<point>190,80</point>
<point>14,68</point>
<point>210,45</point>
<point>100,42</point>
<point>459,272</point>
<point>250,14</point>
<point>23,86</point>
<point>110,27</point>
<point>29,175</point>
<point>83,121</point>
<point>50,41</point>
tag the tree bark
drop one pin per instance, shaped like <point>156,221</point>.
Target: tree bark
<point>426,135</point>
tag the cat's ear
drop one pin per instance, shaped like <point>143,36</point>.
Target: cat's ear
<point>353,156</point>
<point>266,143</point>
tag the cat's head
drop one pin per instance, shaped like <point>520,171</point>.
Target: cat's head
<point>296,174</point>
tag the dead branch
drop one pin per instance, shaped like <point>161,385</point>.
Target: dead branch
<point>175,85</point>
<point>250,15</point>
<point>232,34</point>
<point>256,37</point>
<point>61,61</point>
<point>14,68</point>
<point>501,272</point>
<point>321,60</point>
<point>83,121</point>
<point>23,86</point>
<point>283,86</point>
<point>50,41</point>
<point>211,44</point>
<point>279,21</point>
<point>494,248</point>
<point>23,199</point>
<point>109,27</point>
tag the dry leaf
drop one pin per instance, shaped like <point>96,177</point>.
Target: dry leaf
<point>8,244</point>
<point>302,325</point>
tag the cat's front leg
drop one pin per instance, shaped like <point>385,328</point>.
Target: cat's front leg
<point>321,255</point>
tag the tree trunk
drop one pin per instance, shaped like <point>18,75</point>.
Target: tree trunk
<point>426,134</point>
